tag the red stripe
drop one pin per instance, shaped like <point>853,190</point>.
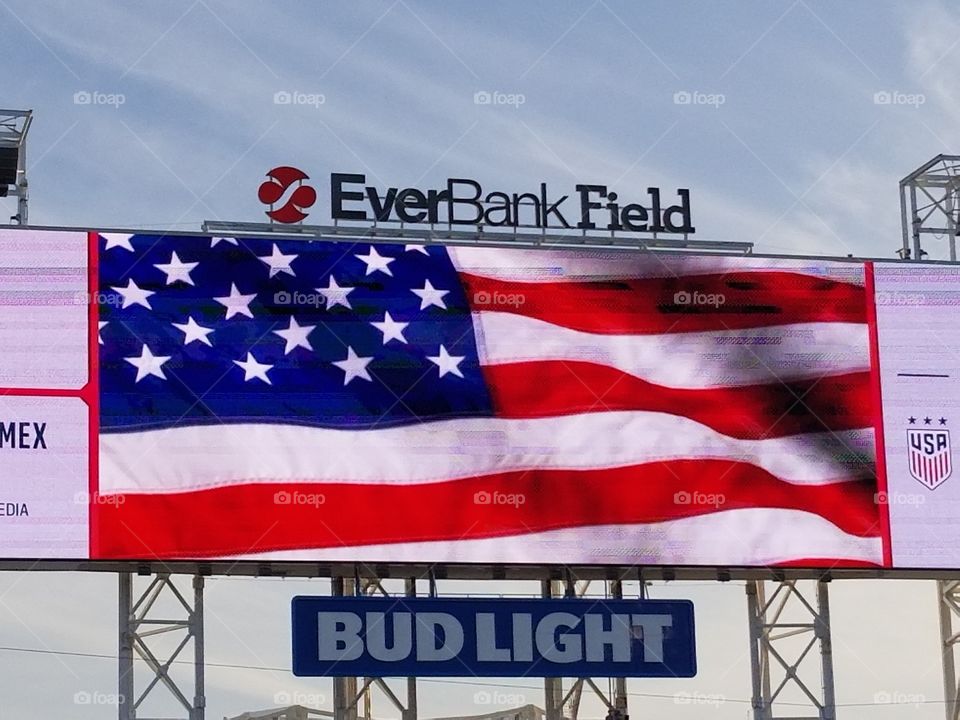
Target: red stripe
<point>655,305</point>
<point>752,412</point>
<point>826,563</point>
<point>252,518</point>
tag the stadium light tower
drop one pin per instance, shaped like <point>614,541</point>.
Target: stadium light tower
<point>14,125</point>
<point>930,205</point>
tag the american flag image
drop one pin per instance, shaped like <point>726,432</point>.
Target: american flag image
<point>343,401</point>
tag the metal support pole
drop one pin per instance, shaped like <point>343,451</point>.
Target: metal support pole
<point>341,699</point>
<point>619,684</point>
<point>22,187</point>
<point>948,600</point>
<point>125,647</point>
<point>826,651</point>
<point>552,687</point>
<point>196,629</point>
<point>783,630</point>
<point>410,712</point>
<point>142,618</point>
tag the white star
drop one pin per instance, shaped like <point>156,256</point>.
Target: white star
<point>335,295</point>
<point>236,303</point>
<point>416,248</point>
<point>429,295</point>
<point>447,363</point>
<point>148,364</point>
<point>296,336</point>
<point>376,262</point>
<point>391,329</point>
<point>176,270</point>
<point>354,366</point>
<point>102,324</point>
<point>252,369</point>
<point>278,262</point>
<point>214,241</point>
<point>192,331</point>
<point>119,240</point>
<point>134,295</point>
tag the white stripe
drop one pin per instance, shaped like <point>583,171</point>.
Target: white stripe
<point>196,457</point>
<point>753,536</point>
<point>584,265</point>
<point>683,360</point>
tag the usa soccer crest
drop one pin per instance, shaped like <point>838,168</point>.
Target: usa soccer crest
<point>928,452</point>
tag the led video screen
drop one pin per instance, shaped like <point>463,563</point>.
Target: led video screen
<point>195,397</point>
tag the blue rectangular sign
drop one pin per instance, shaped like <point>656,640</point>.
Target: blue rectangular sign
<point>400,636</point>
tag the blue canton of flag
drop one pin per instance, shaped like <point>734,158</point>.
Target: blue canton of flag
<point>328,334</point>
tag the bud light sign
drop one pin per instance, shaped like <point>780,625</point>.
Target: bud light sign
<point>397,637</point>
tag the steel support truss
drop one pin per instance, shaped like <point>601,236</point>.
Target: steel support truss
<point>141,622</point>
<point>948,599</point>
<point>929,205</point>
<point>349,692</point>
<point>785,626</point>
<point>14,125</point>
<point>560,705</point>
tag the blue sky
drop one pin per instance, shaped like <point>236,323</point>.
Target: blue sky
<point>796,152</point>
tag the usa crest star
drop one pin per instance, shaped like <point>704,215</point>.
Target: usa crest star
<point>943,421</point>
<point>927,421</point>
<point>912,420</point>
